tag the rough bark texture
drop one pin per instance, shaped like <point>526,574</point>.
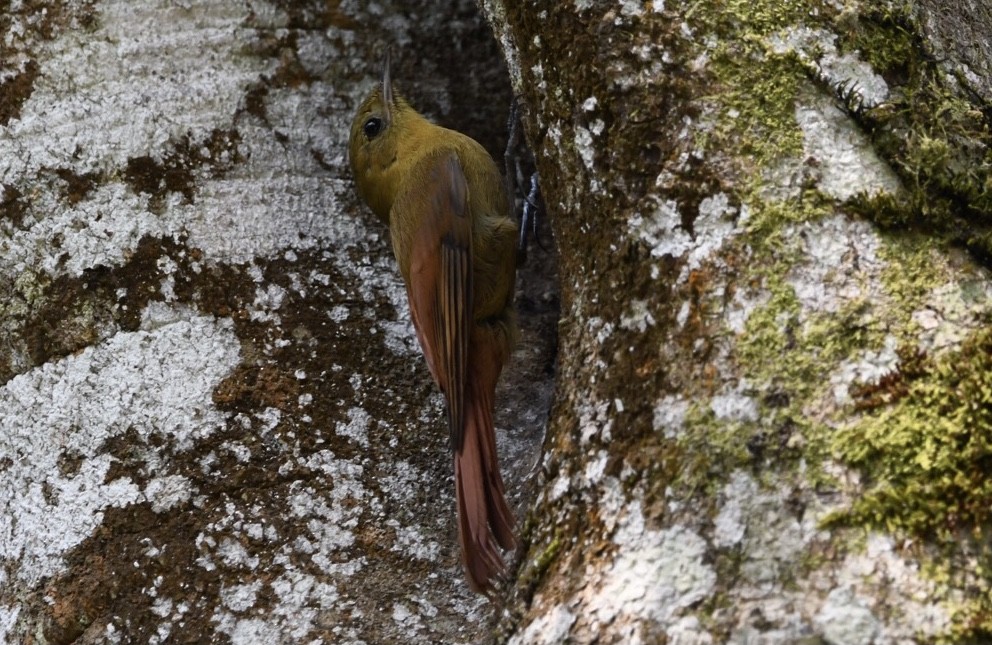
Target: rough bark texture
<point>215,422</point>
<point>772,424</point>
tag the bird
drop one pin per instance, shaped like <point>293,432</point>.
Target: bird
<point>454,240</point>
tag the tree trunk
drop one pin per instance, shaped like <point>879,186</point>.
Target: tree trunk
<point>215,422</point>
<point>771,422</point>
<point>773,416</point>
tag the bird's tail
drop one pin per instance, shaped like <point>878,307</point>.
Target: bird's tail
<point>484,518</point>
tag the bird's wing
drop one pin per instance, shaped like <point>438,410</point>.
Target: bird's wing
<point>440,278</point>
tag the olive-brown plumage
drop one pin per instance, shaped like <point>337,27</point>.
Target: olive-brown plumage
<point>444,201</point>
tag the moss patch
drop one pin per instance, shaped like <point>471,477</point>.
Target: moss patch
<point>757,103</point>
<point>741,97</point>
<point>909,256</point>
<point>926,457</point>
<point>768,220</point>
<point>755,87</point>
<point>939,144</point>
<point>885,38</point>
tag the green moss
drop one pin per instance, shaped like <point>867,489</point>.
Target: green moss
<point>547,556</point>
<point>757,103</point>
<point>711,449</point>
<point>939,143</point>
<point>769,218</point>
<point>776,345</point>
<point>787,360</point>
<point>972,619</point>
<point>752,18</point>
<point>755,91</point>
<point>754,88</point>
<point>926,458</point>
<point>926,437</point>
<point>936,440</point>
<point>883,36</point>
<point>770,331</point>
<point>910,274</point>
<point>533,572</point>
<point>777,348</point>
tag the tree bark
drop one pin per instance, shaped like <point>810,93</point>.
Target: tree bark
<point>215,422</point>
<point>770,423</point>
<point>772,218</point>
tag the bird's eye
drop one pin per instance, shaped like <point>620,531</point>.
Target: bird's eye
<point>372,127</point>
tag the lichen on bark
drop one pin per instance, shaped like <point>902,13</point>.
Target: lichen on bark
<point>776,262</point>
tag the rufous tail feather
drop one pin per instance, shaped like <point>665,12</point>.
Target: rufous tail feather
<point>485,522</point>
